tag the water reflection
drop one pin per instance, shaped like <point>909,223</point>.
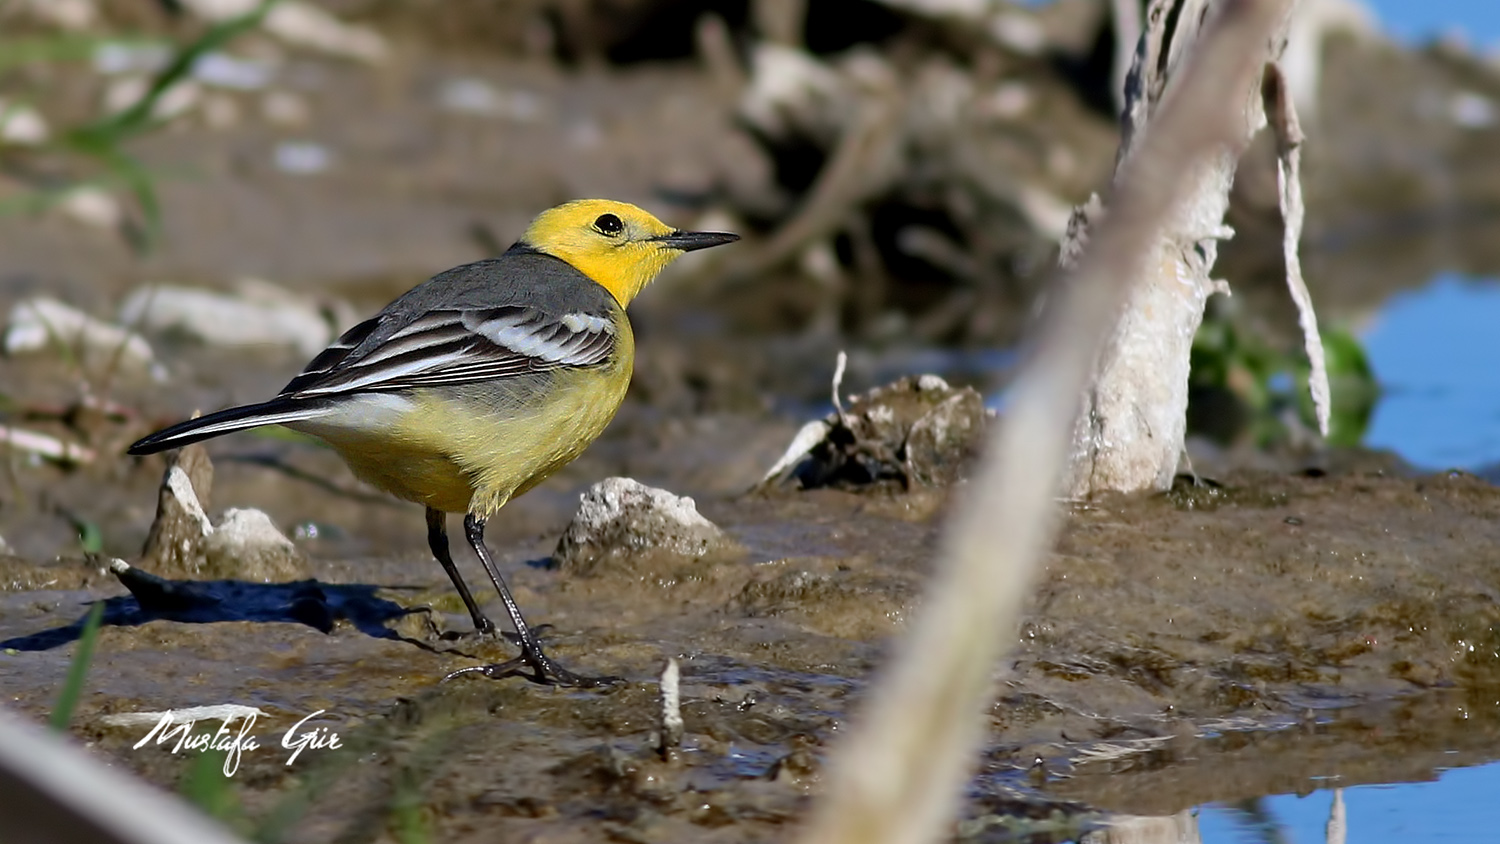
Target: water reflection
<point>1181,828</point>
<point>1433,351</point>
<point>1459,805</point>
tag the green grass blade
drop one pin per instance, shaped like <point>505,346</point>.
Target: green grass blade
<point>72,691</point>
<point>111,131</point>
<point>204,785</point>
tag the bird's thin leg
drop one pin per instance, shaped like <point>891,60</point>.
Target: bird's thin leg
<point>437,540</point>
<point>547,671</point>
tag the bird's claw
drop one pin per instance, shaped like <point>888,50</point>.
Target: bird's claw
<point>539,668</point>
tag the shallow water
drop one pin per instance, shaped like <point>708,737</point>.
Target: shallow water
<point>1414,22</point>
<point>1459,805</point>
<point>1434,353</point>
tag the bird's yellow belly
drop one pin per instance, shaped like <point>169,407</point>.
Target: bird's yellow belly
<point>473,448</point>
<point>410,472</point>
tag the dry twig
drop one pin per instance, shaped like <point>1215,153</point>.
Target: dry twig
<point>1281,108</point>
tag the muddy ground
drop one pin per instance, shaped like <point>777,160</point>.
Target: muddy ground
<point>1217,643</point>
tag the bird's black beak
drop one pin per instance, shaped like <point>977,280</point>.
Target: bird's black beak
<point>688,241</point>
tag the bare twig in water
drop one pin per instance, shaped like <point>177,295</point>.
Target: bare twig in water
<point>899,775</point>
<point>670,737</point>
<point>838,382</point>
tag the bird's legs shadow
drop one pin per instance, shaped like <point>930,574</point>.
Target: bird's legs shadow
<point>310,602</point>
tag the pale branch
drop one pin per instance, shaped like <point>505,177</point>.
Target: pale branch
<point>1281,107</point>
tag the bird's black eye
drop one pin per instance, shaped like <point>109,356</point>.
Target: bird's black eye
<point>609,224</point>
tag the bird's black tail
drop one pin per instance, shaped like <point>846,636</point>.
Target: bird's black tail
<point>273,412</point>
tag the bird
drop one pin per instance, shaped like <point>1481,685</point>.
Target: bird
<point>479,383</point>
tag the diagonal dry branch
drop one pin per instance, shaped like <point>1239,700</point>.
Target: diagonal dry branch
<point>67,794</point>
<point>898,775</point>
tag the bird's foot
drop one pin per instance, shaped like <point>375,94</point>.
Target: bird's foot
<point>539,668</point>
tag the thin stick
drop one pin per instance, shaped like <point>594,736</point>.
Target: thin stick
<point>1281,111</point>
<point>670,740</point>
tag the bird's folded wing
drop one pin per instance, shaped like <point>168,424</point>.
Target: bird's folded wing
<point>455,347</point>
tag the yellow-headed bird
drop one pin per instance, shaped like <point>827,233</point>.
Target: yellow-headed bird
<point>479,383</point>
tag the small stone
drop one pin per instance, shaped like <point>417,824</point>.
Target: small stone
<point>184,541</point>
<point>174,545</point>
<point>112,58</point>
<point>127,91</point>
<point>931,382</point>
<point>221,70</point>
<point>469,95</point>
<point>1420,673</point>
<point>1019,32</point>
<point>259,315</point>
<point>247,545</point>
<point>620,519</point>
<point>22,125</point>
<point>93,207</point>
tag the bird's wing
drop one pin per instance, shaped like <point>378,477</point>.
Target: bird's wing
<point>449,347</point>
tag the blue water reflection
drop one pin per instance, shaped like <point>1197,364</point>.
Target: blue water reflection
<point>1435,354</point>
<point>1462,805</point>
<point>1412,21</point>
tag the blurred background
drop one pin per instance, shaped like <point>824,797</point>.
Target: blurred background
<point>195,195</point>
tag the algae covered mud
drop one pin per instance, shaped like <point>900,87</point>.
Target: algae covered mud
<point>1282,621</point>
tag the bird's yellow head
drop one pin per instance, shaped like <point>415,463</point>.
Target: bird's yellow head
<point>615,243</point>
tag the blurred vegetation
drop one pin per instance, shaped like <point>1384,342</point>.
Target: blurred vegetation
<point>100,145</point>
<point>205,785</point>
<point>1244,389</point>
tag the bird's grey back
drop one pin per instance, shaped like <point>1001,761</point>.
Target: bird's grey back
<point>522,277</point>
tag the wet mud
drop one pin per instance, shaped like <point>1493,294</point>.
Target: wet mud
<point>1267,628</point>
